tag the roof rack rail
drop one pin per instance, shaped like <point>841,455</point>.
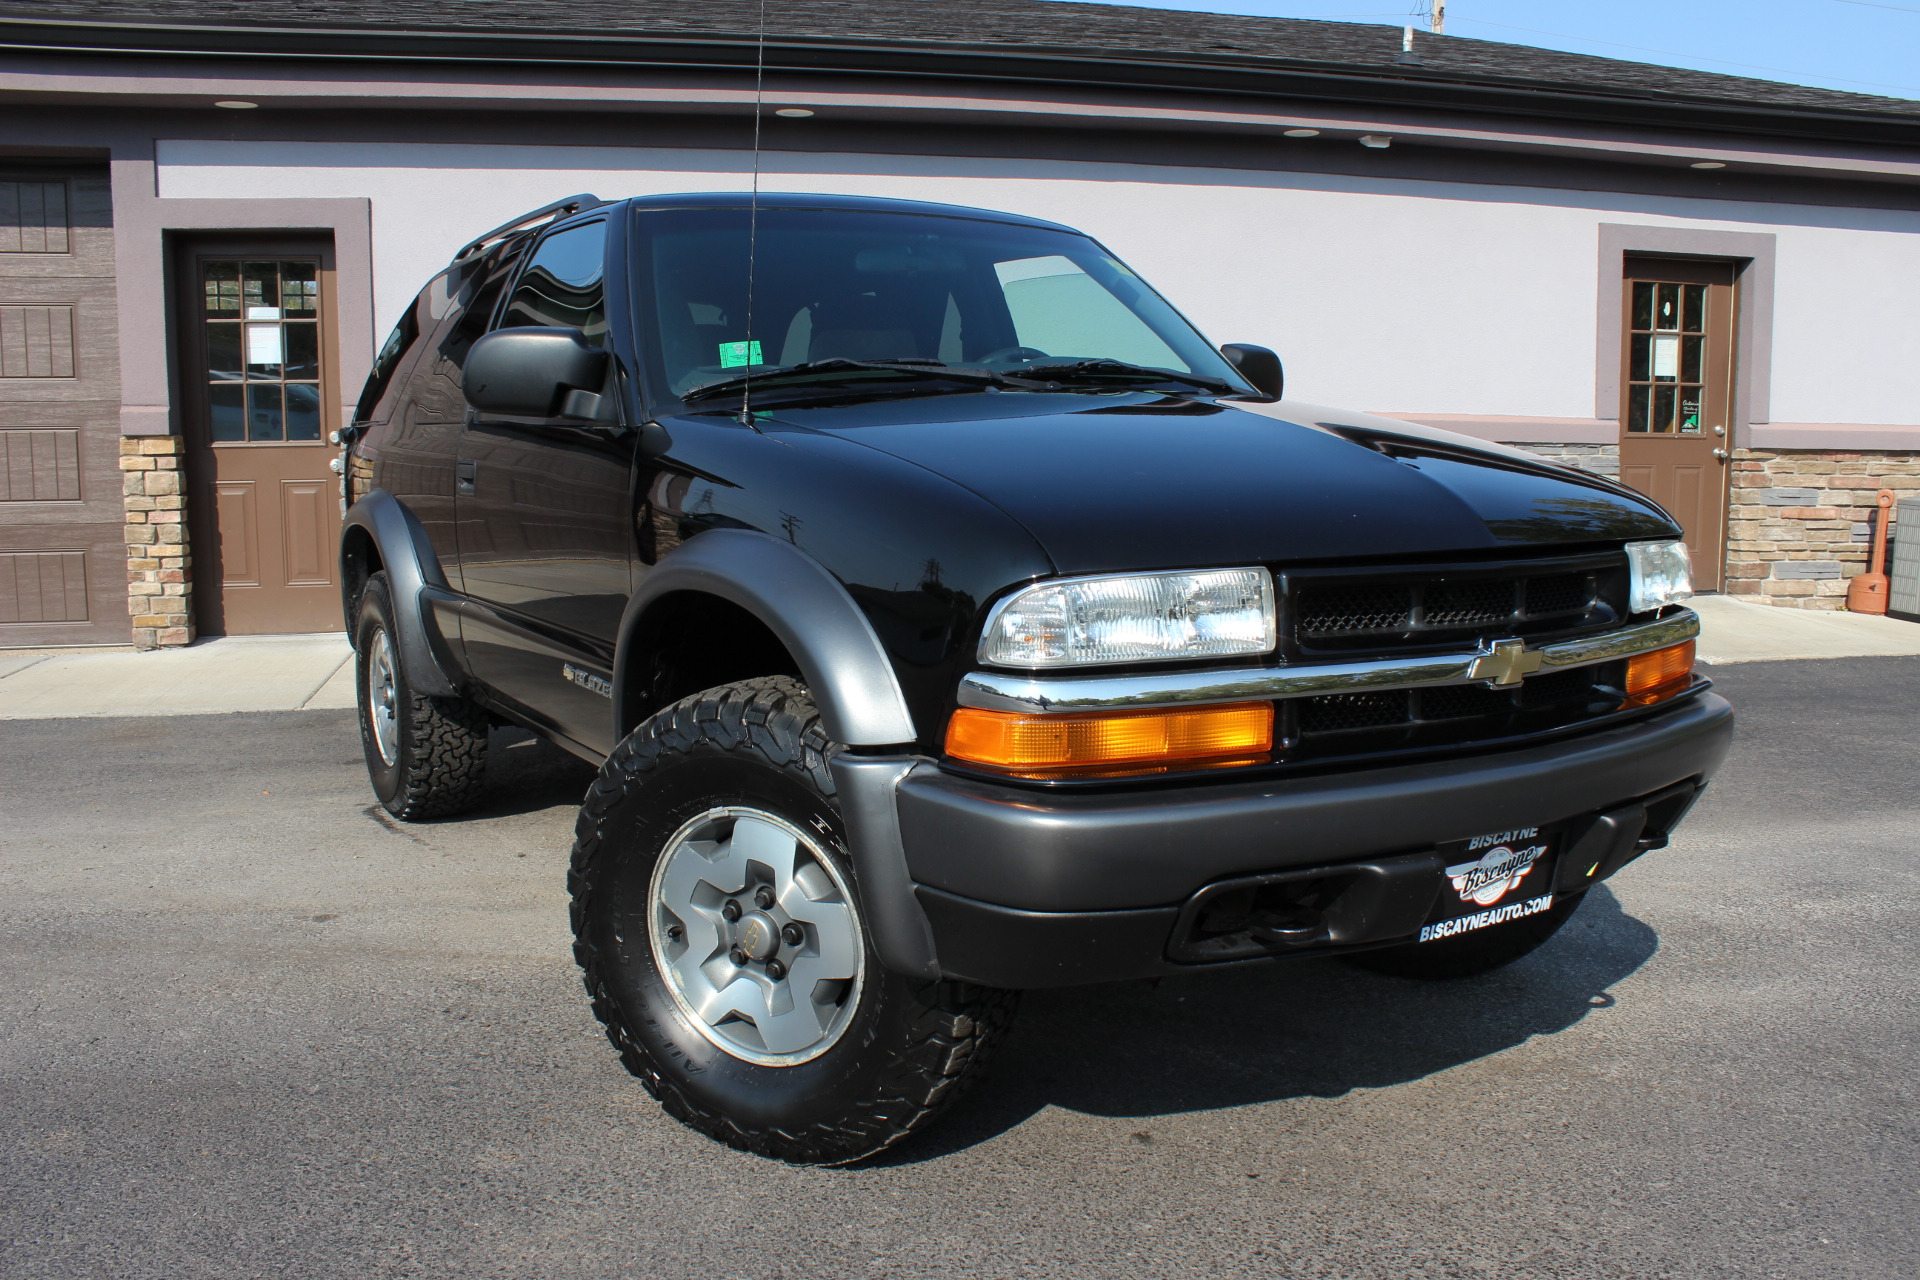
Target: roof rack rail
<point>559,208</point>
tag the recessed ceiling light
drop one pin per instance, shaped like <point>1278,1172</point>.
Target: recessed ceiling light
<point>1303,133</point>
<point>1709,164</point>
<point>234,104</point>
<point>1378,141</point>
<point>793,113</point>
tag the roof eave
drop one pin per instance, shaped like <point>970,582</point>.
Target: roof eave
<point>1272,78</point>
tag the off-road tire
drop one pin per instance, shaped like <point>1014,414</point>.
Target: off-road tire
<point>440,759</point>
<point>909,1049</point>
<point>1469,954</point>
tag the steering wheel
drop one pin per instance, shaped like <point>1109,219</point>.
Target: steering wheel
<point>1023,354</point>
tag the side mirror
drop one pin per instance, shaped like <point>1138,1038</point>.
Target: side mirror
<point>1257,365</point>
<point>535,373</point>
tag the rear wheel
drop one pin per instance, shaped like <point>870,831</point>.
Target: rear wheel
<point>1467,954</point>
<point>426,757</point>
<point>718,922</point>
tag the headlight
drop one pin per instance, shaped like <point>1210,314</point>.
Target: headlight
<point>1662,574</point>
<point>1145,617</point>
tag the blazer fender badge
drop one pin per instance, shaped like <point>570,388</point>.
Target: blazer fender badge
<point>587,680</point>
<point>1499,870</point>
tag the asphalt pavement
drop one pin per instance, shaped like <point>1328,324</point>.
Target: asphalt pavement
<point>250,1027</point>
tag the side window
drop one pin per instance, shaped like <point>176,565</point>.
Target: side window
<point>393,353</point>
<point>563,286</point>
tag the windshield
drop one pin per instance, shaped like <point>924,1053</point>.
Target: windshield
<point>834,284</point>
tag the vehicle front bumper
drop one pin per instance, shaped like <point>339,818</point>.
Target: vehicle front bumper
<point>1028,888</point>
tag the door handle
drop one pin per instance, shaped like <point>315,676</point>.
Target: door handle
<point>1720,454</point>
<point>464,471</point>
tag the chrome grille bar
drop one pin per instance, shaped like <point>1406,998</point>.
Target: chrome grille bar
<point>1001,691</point>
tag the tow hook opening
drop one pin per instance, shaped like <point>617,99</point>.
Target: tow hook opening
<point>1251,919</point>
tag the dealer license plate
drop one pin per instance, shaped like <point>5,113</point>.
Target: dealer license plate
<point>1491,879</point>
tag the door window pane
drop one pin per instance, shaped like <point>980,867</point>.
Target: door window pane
<point>263,411</point>
<point>1696,308</point>
<point>303,411</point>
<point>1690,411</point>
<point>1690,353</point>
<point>229,414</point>
<point>1666,312</point>
<point>1642,305</point>
<point>300,289</point>
<point>303,350</point>
<point>260,290</point>
<point>1637,408</point>
<point>223,289</point>
<point>223,352</point>
<point>1663,403</point>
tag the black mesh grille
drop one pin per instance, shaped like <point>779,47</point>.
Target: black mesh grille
<point>1332,610</point>
<point>1340,712</point>
<point>1376,614</point>
<point>1559,593</point>
<point>1469,604</point>
<point>1457,701</point>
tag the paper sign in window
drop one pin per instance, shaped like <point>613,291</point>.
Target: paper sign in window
<point>264,345</point>
<point>1666,355</point>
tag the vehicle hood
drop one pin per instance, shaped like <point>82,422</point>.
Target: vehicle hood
<point>1108,483</point>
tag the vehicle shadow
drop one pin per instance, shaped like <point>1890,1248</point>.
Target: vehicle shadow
<point>1289,1029</point>
<point>528,774</point>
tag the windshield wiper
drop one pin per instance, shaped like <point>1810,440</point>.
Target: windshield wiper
<point>1117,370</point>
<point>839,368</point>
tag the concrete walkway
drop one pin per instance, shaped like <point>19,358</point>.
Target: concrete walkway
<point>1735,631</point>
<point>235,673</point>
<point>292,673</point>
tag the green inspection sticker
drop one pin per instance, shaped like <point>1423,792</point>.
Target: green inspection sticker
<point>735,354</point>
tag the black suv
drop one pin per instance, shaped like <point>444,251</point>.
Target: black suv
<point>946,617</point>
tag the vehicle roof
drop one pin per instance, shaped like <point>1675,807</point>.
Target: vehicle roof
<point>811,200</point>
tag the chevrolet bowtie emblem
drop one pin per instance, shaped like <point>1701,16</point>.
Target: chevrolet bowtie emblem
<point>1506,663</point>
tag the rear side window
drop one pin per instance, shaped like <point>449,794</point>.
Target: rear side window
<point>564,284</point>
<point>392,354</point>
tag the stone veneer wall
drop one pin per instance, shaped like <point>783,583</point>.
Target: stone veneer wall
<point>159,568</point>
<point>1603,459</point>
<point>1801,521</point>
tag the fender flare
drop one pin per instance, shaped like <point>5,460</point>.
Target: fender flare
<point>838,652</point>
<point>853,685</point>
<point>412,569</point>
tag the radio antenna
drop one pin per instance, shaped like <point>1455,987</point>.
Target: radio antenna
<point>753,209</point>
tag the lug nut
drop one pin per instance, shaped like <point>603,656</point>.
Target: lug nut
<point>738,956</point>
<point>763,897</point>
<point>792,934</point>
<point>776,970</point>
<point>731,911</point>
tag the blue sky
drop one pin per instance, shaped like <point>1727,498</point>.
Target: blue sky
<point>1865,46</point>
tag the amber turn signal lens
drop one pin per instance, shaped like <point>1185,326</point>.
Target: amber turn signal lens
<point>1652,677</point>
<point>1109,744</point>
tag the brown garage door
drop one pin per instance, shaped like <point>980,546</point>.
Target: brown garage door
<point>256,322</point>
<point>63,570</point>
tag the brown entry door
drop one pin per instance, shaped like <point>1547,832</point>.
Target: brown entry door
<point>1677,397</point>
<point>258,375</point>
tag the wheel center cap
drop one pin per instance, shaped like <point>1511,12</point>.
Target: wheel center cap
<point>759,937</point>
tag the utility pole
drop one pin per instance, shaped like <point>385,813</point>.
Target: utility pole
<point>1437,20</point>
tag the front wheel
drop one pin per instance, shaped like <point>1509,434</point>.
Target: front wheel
<point>718,924</point>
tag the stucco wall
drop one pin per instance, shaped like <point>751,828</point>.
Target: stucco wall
<point>1394,295</point>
